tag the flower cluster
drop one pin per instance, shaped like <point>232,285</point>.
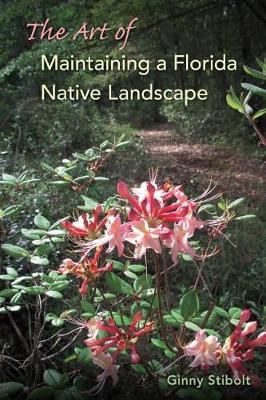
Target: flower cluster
<point>88,269</point>
<point>153,217</point>
<point>119,338</point>
<point>105,362</point>
<point>206,349</point>
<point>238,348</point>
<point>156,216</point>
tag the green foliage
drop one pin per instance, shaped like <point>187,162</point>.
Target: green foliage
<point>242,104</point>
<point>189,304</point>
<point>118,284</point>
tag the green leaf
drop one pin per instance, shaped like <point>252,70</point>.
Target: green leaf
<point>89,203</point>
<point>189,304</point>
<point>7,183</point>
<point>101,178</point>
<point>9,211</point>
<point>233,101</point>
<point>236,203</point>
<point>84,356</point>
<point>9,178</point>
<point>222,205</point>
<point>121,321</point>
<point>254,73</point>
<point>82,178</point>
<point>126,142</point>
<point>32,234</point>
<point>65,314</point>
<point>86,306</point>
<point>117,265</point>
<point>177,315</point>
<point>234,321</point>
<point>8,292</point>
<point>232,104</point>
<point>139,369</point>
<point>13,308</point>
<point>57,321</point>
<point>42,393</point>
<point>7,277</point>
<point>41,222</point>
<point>49,317</point>
<point>234,312</point>
<point>16,299</point>
<point>186,257</point>
<point>12,271</point>
<point>47,167</point>
<point>53,378</point>
<point>169,354</point>
<point>245,217</point>
<point>58,286</point>
<point>34,290</point>
<point>159,343</point>
<point>192,326</point>
<point>14,251</point>
<point>142,283</point>
<point>54,294</point>
<point>147,293</point>
<point>254,89</point>
<point>45,249</point>
<point>118,284</point>
<point>70,358</point>
<point>10,388</point>
<point>56,232</point>
<point>39,260</point>
<point>262,65</point>
<point>155,365</point>
<point>29,181</point>
<point>170,320</point>
<point>221,312</point>
<point>137,268</point>
<point>130,275</point>
<point>207,208</point>
<point>259,113</point>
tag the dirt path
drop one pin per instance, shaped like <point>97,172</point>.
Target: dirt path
<point>196,164</point>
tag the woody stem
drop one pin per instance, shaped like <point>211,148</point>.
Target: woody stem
<point>258,132</point>
<point>120,312</point>
<point>160,312</point>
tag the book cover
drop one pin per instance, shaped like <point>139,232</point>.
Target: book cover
<point>132,199</point>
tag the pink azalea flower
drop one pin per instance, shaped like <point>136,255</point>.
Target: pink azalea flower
<point>238,348</point>
<point>86,227</point>
<point>152,213</point>
<point>150,203</point>
<point>178,239</point>
<point>105,362</point>
<point>120,339</point>
<point>145,190</point>
<point>206,349</point>
<point>88,269</point>
<point>116,233</point>
<point>92,326</point>
<point>144,237</point>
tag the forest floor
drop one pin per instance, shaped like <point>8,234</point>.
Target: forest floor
<point>195,165</point>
